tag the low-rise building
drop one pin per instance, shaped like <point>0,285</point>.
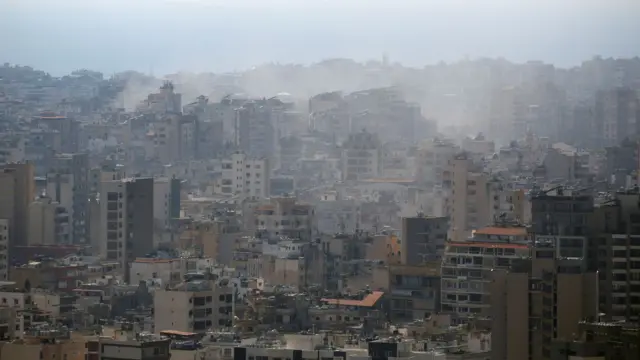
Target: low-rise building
<point>194,306</point>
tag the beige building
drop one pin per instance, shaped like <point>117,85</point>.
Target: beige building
<point>467,267</point>
<point>539,300</point>
<point>361,156</point>
<point>18,191</point>
<point>432,159</point>
<point>469,202</point>
<point>48,223</point>
<point>46,343</point>
<point>194,306</point>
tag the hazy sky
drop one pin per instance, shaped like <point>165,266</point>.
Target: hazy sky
<point>217,35</point>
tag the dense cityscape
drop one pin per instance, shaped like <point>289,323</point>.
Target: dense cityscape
<point>480,209</point>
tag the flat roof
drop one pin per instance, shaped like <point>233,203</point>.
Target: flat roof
<point>368,301</point>
<point>488,245</point>
<point>502,231</point>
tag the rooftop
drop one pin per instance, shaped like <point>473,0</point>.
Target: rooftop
<point>502,231</point>
<point>368,301</point>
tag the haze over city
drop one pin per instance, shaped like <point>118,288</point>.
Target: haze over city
<point>319,180</point>
<point>215,35</point>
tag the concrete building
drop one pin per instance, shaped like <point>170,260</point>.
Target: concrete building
<point>469,198</point>
<point>615,241</point>
<point>361,156</point>
<point>68,185</point>
<point>67,127</point>
<point>256,128</point>
<point>4,250</point>
<point>49,223</point>
<point>18,191</point>
<point>539,300</point>
<point>209,128</point>
<point>244,176</point>
<point>423,239</point>
<point>617,115</point>
<point>285,216</point>
<point>599,340</point>
<point>126,209</point>
<point>173,138</point>
<point>335,215</point>
<point>560,212</point>
<point>46,342</point>
<point>414,291</point>
<point>194,306</point>
<point>129,346</point>
<point>467,268</point>
<point>163,102</point>
<point>432,159</point>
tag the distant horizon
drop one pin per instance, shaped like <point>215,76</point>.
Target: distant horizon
<point>222,35</point>
<point>160,75</point>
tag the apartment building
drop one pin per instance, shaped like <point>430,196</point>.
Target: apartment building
<point>336,215</point>
<point>4,250</point>
<point>618,114</point>
<point>285,216</point>
<point>599,340</point>
<point>67,127</point>
<point>423,239</point>
<point>414,291</point>
<point>166,200</point>
<point>49,223</point>
<point>361,156</point>
<point>126,209</point>
<point>46,342</point>
<point>244,176</point>
<point>432,159</point>
<point>173,138</point>
<point>615,251</point>
<point>256,130</point>
<point>123,345</point>
<point>467,269</point>
<point>209,129</point>
<point>16,298</point>
<point>194,306</point>
<point>68,185</point>
<point>18,191</point>
<point>470,195</point>
<point>539,300</point>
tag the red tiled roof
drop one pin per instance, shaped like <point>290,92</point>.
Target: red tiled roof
<point>368,300</point>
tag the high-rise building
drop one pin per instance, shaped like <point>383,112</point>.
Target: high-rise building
<point>4,249</point>
<point>256,128</point>
<point>540,299</point>
<point>617,115</point>
<point>18,191</point>
<point>467,267</point>
<point>471,196</point>
<point>126,212</point>
<point>244,176</point>
<point>67,127</point>
<point>432,159</point>
<point>68,185</point>
<point>423,239</point>
<point>49,223</point>
<point>361,156</point>
<point>615,250</point>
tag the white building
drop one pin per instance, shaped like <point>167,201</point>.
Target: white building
<point>244,177</point>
